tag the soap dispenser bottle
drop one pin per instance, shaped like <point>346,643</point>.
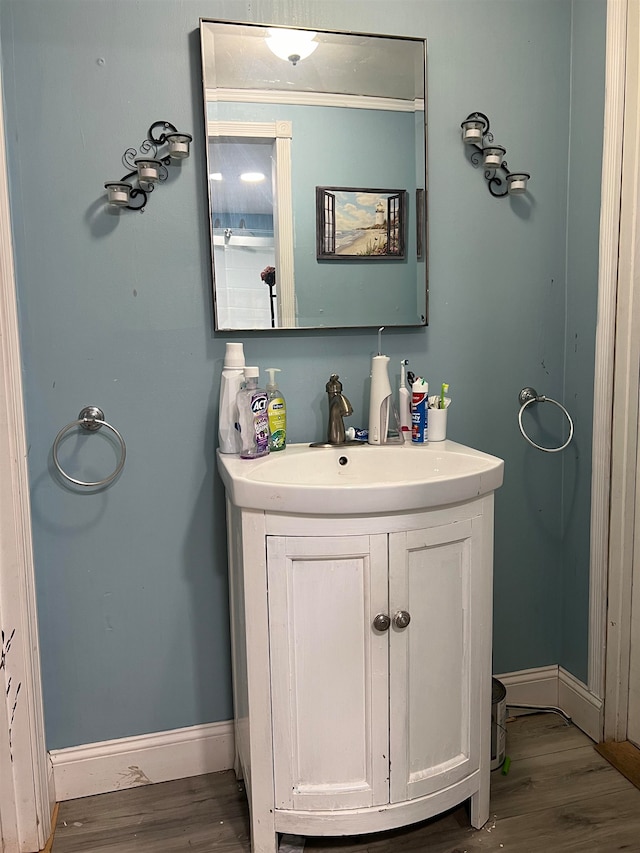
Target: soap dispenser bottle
<point>276,412</point>
<point>380,397</point>
<point>252,415</point>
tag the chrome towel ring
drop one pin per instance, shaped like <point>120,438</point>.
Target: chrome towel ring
<point>528,396</point>
<point>91,418</point>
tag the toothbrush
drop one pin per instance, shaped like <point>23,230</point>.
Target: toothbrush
<point>404,399</point>
<point>443,391</point>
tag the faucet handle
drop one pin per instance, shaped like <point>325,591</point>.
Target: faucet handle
<point>334,386</point>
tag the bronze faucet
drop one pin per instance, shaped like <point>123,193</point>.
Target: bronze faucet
<point>339,408</point>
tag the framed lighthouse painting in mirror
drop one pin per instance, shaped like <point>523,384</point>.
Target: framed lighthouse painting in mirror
<point>361,224</point>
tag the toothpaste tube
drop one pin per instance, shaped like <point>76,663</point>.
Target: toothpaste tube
<point>354,433</point>
<point>420,411</point>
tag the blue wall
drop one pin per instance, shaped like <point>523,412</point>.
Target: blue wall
<point>116,311</point>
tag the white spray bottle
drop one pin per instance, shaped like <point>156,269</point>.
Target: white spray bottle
<point>380,397</point>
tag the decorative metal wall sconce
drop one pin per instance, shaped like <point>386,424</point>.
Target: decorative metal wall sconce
<point>148,167</point>
<point>475,132</point>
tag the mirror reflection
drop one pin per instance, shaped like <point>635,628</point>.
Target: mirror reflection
<point>316,151</point>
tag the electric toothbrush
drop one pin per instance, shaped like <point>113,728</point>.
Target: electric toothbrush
<point>404,402</point>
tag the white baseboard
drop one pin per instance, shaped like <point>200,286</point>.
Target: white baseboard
<point>554,686</point>
<point>537,686</point>
<point>95,768</point>
<point>585,709</point>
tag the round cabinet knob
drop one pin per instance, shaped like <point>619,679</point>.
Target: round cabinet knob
<point>401,619</point>
<point>381,622</point>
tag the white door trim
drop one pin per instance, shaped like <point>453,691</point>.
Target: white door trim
<point>625,400</point>
<point>601,491</point>
<point>25,806</point>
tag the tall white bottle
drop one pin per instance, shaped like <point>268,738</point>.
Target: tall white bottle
<point>379,400</point>
<point>231,382</point>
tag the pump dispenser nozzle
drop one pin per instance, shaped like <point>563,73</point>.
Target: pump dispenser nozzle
<point>272,384</point>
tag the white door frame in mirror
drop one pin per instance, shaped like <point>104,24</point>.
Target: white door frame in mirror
<point>281,133</point>
<point>26,795</point>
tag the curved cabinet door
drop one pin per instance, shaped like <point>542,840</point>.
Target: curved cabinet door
<point>437,661</point>
<point>329,671</point>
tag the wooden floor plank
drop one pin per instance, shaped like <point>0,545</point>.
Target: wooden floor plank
<point>600,824</point>
<point>597,825</point>
<point>190,814</point>
<point>539,734</point>
<point>543,781</point>
<point>560,796</point>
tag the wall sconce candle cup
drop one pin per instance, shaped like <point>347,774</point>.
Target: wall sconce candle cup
<point>147,167</point>
<point>500,181</point>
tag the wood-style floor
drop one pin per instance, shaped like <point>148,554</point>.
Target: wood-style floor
<point>560,795</point>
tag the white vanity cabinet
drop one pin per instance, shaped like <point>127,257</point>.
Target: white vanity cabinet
<point>361,666</point>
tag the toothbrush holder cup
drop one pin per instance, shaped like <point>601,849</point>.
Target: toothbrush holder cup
<point>437,424</point>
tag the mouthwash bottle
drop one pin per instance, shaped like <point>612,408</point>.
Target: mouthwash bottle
<point>276,413</point>
<point>252,416</point>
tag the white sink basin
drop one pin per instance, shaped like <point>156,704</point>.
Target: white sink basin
<point>357,480</point>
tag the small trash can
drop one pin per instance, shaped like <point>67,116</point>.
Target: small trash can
<point>498,723</point>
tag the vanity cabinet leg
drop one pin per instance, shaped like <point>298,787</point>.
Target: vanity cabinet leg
<point>479,807</point>
<point>264,838</point>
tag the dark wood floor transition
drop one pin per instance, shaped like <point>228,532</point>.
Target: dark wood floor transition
<point>560,795</point>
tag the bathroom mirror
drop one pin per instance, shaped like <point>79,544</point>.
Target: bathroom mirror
<point>316,153</point>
